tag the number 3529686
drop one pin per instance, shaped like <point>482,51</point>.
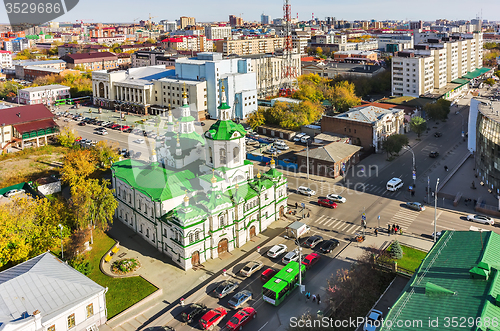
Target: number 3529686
<point>32,8</point>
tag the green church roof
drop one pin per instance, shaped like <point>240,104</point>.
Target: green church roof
<point>224,130</point>
<point>153,180</point>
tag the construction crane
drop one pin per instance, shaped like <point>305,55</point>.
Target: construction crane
<point>135,19</point>
<point>150,23</point>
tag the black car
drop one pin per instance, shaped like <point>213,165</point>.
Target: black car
<point>329,245</point>
<point>433,154</point>
<point>192,311</point>
<point>313,241</point>
<point>82,124</point>
<point>438,134</point>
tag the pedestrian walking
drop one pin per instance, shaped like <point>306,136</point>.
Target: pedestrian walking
<point>389,229</point>
<point>394,228</point>
<point>296,206</point>
<point>319,299</point>
<point>314,298</point>
<point>307,297</point>
<point>376,233</point>
<point>308,214</point>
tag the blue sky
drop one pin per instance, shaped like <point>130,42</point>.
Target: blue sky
<point>204,11</point>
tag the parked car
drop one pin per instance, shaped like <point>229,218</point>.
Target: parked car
<point>102,132</point>
<point>415,206</point>
<point>327,203</point>
<point>124,127</point>
<point>192,311</point>
<point>276,250</point>
<point>298,136</point>
<point>481,219</point>
<point>306,191</point>
<point>242,317</point>
<point>433,154</point>
<point>250,268</point>
<point>239,299</point>
<point>329,245</point>
<point>336,198</point>
<point>13,192</point>
<point>373,320</point>
<point>281,145</point>
<point>212,318</point>
<point>82,124</point>
<point>225,287</point>
<point>139,141</point>
<point>268,274</point>
<point>271,150</point>
<point>312,241</point>
<point>438,134</point>
<point>311,260</point>
<point>115,126</point>
<point>291,256</point>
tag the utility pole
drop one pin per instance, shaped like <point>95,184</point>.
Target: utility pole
<point>435,207</point>
<point>307,154</point>
<point>428,190</point>
<point>62,252</point>
<point>300,261</point>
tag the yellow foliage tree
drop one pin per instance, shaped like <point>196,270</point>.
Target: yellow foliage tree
<point>78,165</point>
<point>106,153</point>
<point>66,136</point>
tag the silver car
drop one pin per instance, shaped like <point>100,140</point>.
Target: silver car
<point>291,256</point>
<point>481,219</point>
<point>250,268</point>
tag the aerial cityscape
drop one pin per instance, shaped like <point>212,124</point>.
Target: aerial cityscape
<point>284,167</point>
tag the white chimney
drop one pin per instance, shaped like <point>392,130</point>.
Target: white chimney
<point>38,319</point>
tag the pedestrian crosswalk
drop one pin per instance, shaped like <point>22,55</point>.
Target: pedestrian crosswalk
<point>375,189</point>
<point>403,218</point>
<point>331,223</point>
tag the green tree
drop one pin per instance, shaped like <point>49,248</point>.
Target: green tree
<point>78,165</point>
<point>256,118</point>
<point>66,136</point>
<point>105,153</point>
<point>396,250</point>
<point>342,96</point>
<point>490,81</point>
<point>394,143</point>
<point>418,125</point>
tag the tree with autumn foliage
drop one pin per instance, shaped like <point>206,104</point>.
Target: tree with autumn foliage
<point>105,153</point>
<point>29,227</point>
<point>66,136</point>
<point>342,96</point>
<point>78,165</point>
<point>256,118</point>
<point>80,84</point>
<point>311,87</point>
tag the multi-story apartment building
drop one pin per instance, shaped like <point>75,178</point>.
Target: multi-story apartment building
<point>92,61</point>
<point>235,20</point>
<point>186,21</point>
<point>268,70</point>
<point>20,66</point>
<point>16,45</point>
<point>188,43</point>
<point>249,46</point>
<point>80,48</point>
<point>218,32</point>
<point>265,19</point>
<point>152,58</point>
<point>5,59</point>
<point>432,65</point>
<point>170,26</point>
<point>43,94</point>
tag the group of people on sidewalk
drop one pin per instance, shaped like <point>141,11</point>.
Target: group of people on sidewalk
<point>394,229</point>
<point>315,297</point>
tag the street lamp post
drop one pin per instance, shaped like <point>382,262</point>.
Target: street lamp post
<point>414,170</point>
<point>62,252</point>
<point>435,207</point>
<point>463,132</point>
<point>300,261</point>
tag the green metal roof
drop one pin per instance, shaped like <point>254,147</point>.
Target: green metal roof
<point>460,81</point>
<point>443,286</point>
<point>476,73</point>
<point>273,173</point>
<point>151,179</point>
<point>224,130</point>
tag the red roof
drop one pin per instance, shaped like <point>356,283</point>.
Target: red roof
<point>35,125</point>
<point>93,56</point>
<point>172,40</point>
<point>24,114</point>
<point>7,52</point>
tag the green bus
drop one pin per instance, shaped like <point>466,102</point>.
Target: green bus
<point>283,283</point>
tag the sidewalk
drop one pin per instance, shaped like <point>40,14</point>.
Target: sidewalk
<point>296,306</point>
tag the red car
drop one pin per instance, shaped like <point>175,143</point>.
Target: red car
<point>242,317</point>
<point>78,139</point>
<point>327,203</point>
<point>115,126</point>
<point>310,260</point>
<point>212,318</point>
<point>125,127</point>
<point>267,274</point>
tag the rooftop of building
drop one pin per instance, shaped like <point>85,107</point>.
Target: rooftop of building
<point>43,283</point>
<point>367,114</point>
<point>25,114</point>
<point>44,88</point>
<point>333,152</point>
<point>26,63</point>
<point>459,274</point>
<point>489,108</point>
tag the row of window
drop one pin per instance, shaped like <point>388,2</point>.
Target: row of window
<point>71,318</point>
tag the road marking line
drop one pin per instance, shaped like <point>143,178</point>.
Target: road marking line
<point>321,219</point>
<point>351,229</point>
<point>343,227</point>
<point>263,326</point>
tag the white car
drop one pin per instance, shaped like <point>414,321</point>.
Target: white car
<point>13,192</point>
<point>139,141</point>
<point>481,219</point>
<point>373,320</point>
<point>336,198</point>
<point>276,250</point>
<point>102,132</point>
<point>281,145</point>
<point>306,191</point>
<point>291,256</point>
<point>298,136</point>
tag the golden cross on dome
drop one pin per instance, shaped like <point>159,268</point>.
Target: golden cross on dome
<point>184,93</point>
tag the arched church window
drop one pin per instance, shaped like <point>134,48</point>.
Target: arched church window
<point>236,154</point>
<point>210,158</point>
<point>222,155</point>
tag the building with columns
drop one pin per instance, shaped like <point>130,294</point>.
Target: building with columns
<point>199,197</point>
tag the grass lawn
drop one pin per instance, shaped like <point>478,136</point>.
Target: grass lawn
<point>122,292</point>
<point>411,258</point>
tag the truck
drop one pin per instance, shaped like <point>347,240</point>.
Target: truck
<point>297,229</point>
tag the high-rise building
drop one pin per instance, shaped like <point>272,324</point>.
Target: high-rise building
<point>186,21</point>
<point>170,26</point>
<point>265,19</point>
<point>235,20</point>
<point>430,66</point>
<point>217,32</point>
<point>415,25</point>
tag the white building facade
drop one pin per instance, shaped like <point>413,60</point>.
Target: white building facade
<point>218,32</point>
<point>43,94</point>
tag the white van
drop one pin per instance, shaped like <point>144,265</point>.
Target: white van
<point>281,145</point>
<point>305,139</point>
<point>298,136</point>
<point>394,184</point>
